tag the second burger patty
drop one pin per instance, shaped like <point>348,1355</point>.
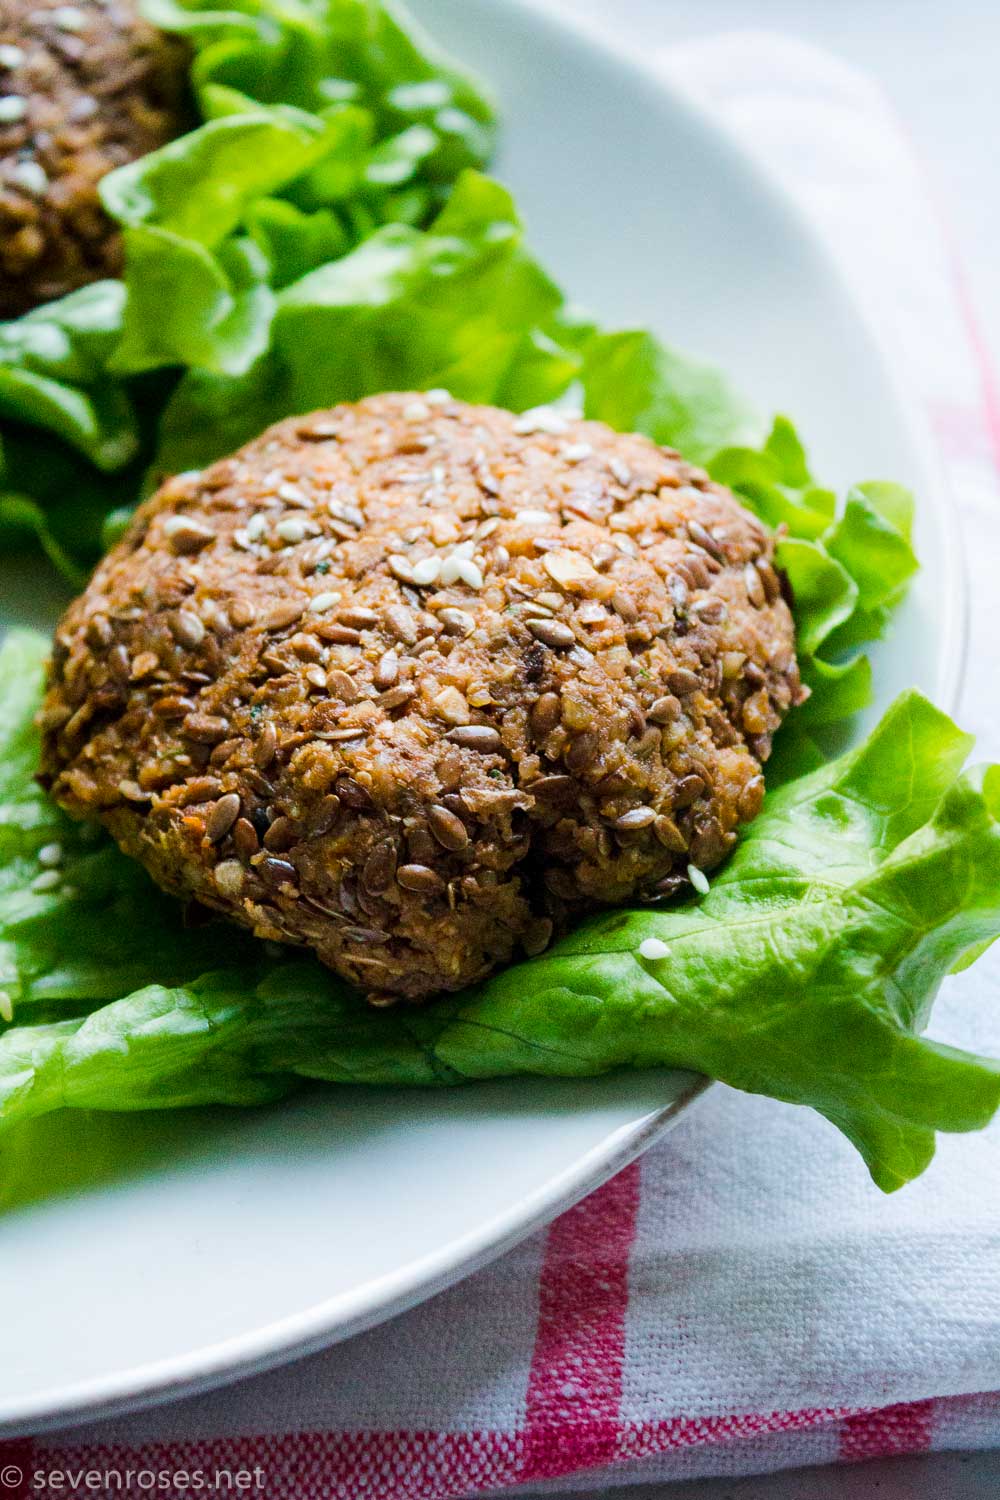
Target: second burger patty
<point>416,683</point>
<point>84,88</point>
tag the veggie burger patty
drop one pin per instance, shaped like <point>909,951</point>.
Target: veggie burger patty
<point>83,88</point>
<point>415,683</point>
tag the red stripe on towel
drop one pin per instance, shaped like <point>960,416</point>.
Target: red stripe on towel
<point>883,1434</point>
<point>575,1385</point>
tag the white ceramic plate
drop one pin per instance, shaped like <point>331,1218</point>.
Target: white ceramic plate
<point>219,1242</point>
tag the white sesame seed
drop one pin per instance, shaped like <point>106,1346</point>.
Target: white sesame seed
<point>533,517</point>
<point>575,453</point>
<point>437,397</point>
<point>31,177</point>
<point>399,567</point>
<point>541,419</point>
<point>426,570</point>
<point>698,879</point>
<point>291,493</point>
<point>50,855</point>
<point>469,572</point>
<point>323,602</point>
<point>84,107</point>
<point>11,56</point>
<point>291,531</point>
<point>6,1006</point>
<point>256,527</point>
<point>416,411</point>
<point>12,109</point>
<point>69,18</point>
<point>46,881</point>
<point>229,876</point>
<point>620,470</point>
<point>653,947</point>
<point>464,549</point>
<point>188,476</point>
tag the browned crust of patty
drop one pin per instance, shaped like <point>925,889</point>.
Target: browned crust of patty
<point>96,87</point>
<point>414,682</point>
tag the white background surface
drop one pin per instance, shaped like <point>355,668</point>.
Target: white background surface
<point>939,65</point>
<point>938,62</point>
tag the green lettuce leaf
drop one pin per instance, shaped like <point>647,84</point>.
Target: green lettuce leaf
<point>637,384</point>
<point>806,973</point>
<point>324,52</point>
<point>461,305</point>
<point>54,375</point>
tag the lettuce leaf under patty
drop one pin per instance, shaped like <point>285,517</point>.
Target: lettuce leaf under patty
<point>806,973</point>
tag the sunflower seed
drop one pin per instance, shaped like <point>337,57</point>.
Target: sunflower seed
<point>341,685</point>
<point>357,616</point>
<point>245,840</point>
<point>278,872</point>
<point>395,697</point>
<point>703,538</point>
<point>222,817</point>
<point>187,629</point>
<point>754,587</point>
<point>711,611</point>
<point>682,682</point>
<point>353,794</point>
<point>338,634</point>
<point>341,736</point>
<point>267,744</point>
<point>636,818</point>
<point>545,714</point>
<point>419,878</point>
<point>241,613</point>
<point>664,710</point>
<point>456,621</point>
<point>583,751</point>
<point>206,729</point>
<point>669,834</point>
<point>481,737</point>
<point>386,671</point>
<point>551,633</point>
<point>281,835</point>
<point>186,535</point>
<point>380,867</point>
<point>448,829</point>
<point>687,790</point>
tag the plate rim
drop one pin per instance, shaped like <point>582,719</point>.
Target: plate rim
<point>334,1319</point>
